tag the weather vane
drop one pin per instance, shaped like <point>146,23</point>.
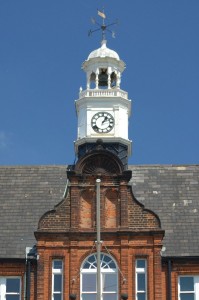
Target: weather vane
<point>102,27</point>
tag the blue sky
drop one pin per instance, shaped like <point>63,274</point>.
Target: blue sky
<point>42,46</point>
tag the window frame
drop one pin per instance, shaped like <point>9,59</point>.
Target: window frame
<point>138,271</point>
<point>195,290</point>
<point>105,270</point>
<point>3,284</point>
<point>57,271</point>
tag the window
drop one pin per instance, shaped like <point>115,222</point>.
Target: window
<point>109,278</point>
<point>188,287</point>
<point>57,279</point>
<point>141,280</point>
<point>10,288</point>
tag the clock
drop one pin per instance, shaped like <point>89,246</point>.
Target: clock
<point>102,122</point>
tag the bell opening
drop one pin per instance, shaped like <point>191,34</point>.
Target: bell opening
<point>103,78</point>
<point>92,80</point>
<point>113,79</point>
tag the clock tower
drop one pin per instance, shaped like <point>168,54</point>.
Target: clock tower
<point>99,241</point>
<point>103,108</point>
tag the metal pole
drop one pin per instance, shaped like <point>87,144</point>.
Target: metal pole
<point>169,280</point>
<point>98,241</point>
<point>28,266</point>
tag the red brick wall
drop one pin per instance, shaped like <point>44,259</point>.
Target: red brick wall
<point>18,269</point>
<point>128,231</point>
<point>111,209</point>
<point>86,209</point>
<point>179,267</point>
<point>124,248</point>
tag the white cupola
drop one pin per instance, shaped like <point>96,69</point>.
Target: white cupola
<point>103,68</point>
<point>103,109</point>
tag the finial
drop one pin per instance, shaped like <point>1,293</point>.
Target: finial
<point>103,27</point>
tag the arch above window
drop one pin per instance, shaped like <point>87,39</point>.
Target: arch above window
<point>109,278</point>
<point>106,262</point>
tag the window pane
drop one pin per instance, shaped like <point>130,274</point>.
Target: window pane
<point>12,285</point>
<point>12,297</point>
<point>112,265</point>
<point>109,283</point>
<point>187,296</point>
<point>89,283</point>
<point>90,263</point>
<point>141,296</point>
<point>86,265</point>
<point>92,258</point>
<point>109,296</point>
<point>57,264</point>
<point>57,297</point>
<point>141,282</point>
<point>106,258</point>
<point>141,263</point>
<point>89,297</point>
<point>107,262</point>
<point>57,283</point>
<point>186,284</point>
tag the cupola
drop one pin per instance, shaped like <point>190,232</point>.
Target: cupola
<point>103,68</point>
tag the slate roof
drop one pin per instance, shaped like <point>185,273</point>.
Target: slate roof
<point>172,192</point>
<point>26,193</point>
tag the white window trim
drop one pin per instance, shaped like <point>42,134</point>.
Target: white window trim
<point>103,271</point>
<point>57,272</point>
<point>140,271</point>
<point>3,286</point>
<point>196,286</point>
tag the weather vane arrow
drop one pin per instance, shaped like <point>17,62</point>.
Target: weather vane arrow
<point>102,27</point>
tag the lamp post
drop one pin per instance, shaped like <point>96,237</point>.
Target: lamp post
<point>98,181</point>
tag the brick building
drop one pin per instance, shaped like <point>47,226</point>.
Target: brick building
<point>149,215</point>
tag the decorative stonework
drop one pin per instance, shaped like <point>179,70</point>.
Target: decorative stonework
<point>99,162</point>
<point>119,208</point>
<point>118,149</point>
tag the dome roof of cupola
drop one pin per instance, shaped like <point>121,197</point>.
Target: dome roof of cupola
<point>103,51</point>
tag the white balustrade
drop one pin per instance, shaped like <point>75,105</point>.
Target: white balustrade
<point>103,93</point>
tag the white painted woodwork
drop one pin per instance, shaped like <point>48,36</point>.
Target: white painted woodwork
<point>109,99</point>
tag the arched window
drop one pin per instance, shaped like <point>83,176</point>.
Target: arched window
<point>109,278</point>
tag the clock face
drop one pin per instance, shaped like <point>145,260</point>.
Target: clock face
<point>102,122</point>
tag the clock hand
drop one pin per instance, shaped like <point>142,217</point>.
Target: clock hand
<point>105,119</point>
